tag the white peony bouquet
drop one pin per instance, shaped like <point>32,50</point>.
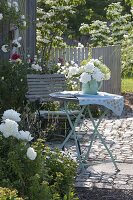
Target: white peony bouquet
<point>92,69</point>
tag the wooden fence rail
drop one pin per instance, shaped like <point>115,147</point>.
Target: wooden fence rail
<point>111,56</point>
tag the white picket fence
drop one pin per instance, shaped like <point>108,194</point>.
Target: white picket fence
<point>111,56</point>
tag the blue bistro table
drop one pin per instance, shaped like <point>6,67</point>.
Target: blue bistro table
<point>109,101</point>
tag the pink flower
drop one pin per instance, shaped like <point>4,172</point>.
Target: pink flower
<point>15,56</point>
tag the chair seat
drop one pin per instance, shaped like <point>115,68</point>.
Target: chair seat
<point>60,114</point>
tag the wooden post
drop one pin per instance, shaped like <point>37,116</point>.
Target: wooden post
<point>31,30</point>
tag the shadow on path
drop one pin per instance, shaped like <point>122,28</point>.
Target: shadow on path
<point>104,194</point>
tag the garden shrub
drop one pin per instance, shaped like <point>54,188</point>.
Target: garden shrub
<point>127,55</point>
<point>12,85</point>
<point>7,194</point>
<point>40,174</point>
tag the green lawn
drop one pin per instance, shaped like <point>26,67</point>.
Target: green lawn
<point>127,85</point>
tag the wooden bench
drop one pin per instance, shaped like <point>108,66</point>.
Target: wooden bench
<point>39,88</point>
<point>41,85</point>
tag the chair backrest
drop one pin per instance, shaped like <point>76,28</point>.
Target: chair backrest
<point>41,85</point>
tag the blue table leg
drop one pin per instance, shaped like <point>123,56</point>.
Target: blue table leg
<point>73,131</point>
<point>95,134</point>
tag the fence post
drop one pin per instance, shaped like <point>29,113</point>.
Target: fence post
<point>31,30</point>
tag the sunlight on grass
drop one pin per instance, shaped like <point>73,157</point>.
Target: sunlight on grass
<point>127,85</point>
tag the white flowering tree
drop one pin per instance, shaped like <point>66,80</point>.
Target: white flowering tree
<point>115,31</point>
<point>52,19</point>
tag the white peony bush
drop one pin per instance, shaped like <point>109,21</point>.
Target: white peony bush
<point>9,127</point>
<point>92,69</point>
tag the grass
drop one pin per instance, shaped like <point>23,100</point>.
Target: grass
<point>127,85</point>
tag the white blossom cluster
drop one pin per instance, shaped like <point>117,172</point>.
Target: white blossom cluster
<point>1,16</point>
<point>9,127</point>
<point>35,65</point>
<point>53,22</point>
<point>111,32</point>
<point>84,28</point>
<point>15,43</point>
<point>92,70</point>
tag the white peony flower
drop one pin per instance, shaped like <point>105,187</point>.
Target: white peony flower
<point>58,64</point>
<point>72,62</point>
<point>81,69</point>
<point>18,60</point>
<point>31,154</point>
<point>15,4</point>
<point>85,77</point>
<point>9,128</point>
<point>22,16</point>
<point>46,41</point>
<point>89,67</point>
<point>80,45</point>
<point>97,61</point>
<point>98,75</point>
<point>4,48</point>
<point>73,71</point>
<point>67,64</point>
<point>9,4</point>
<point>19,38</point>
<point>25,135</point>
<point>16,43</point>
<point>36,67</point>
<point>11,114</point>
<point>1,16</point>
<point>24,23</point>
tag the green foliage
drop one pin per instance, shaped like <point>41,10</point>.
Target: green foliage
<point>103,33</point>
<point>129,2</point>
<point>118,30</point>
<point>50,176</point>
<point>99,31</point>
<point>12,84</point>
<point>7,194</point>
<point>127,55</point>
<point>9,13</point>
<point>52,18</point>
<point>127,85</point>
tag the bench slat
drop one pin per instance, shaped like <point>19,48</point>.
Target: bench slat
<point>41,85</point>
